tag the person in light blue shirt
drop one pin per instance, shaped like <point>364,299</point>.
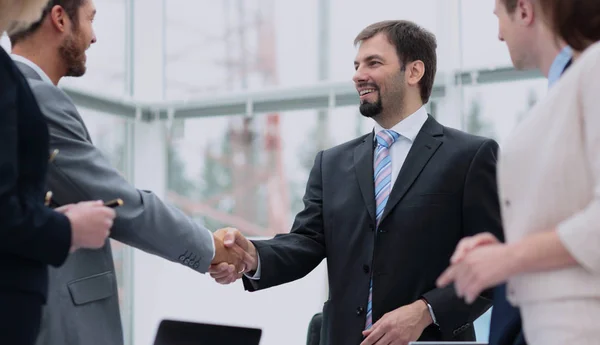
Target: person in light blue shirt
<point>560,65</point>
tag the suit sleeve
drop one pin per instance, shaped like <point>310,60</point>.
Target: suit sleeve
<point>481,213</point>
<point>27,228</point>
<point>580,233</point>
<point>288,257</point>
<point>81,172</point>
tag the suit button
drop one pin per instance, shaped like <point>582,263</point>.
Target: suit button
<point>360,311</point>
<point>366,268</point>
<point>507,203</point>
<point>381,230</point>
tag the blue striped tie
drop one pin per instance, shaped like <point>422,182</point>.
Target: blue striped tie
<point>383,185</point>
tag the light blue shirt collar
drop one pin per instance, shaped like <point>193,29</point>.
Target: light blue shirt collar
<point>35,67</point>
<point>558,66</point>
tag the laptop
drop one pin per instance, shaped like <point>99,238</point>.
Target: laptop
<point>171,332</point>
<point>446,343</point>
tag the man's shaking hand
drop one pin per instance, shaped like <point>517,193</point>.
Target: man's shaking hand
<point>234,256</point>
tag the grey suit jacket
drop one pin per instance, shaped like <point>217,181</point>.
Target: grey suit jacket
<point>83,305</point>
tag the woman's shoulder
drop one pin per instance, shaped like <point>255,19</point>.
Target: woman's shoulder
<point>591,50</point>
<point>590,59</point>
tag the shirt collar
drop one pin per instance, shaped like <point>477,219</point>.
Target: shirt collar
<point>558,66</point>
<point>410,126</point>
<point>35,67</point>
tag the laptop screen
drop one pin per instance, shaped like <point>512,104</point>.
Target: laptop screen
<point>172,332</point>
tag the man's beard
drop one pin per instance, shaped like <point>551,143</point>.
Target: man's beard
<point>368,109</point>
<point>73,56</point>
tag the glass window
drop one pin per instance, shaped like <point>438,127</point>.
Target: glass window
<point>251,173</point>
<point>480,47</point>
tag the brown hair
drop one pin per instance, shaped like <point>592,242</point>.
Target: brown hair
<point>71,7</point>
<point>412,43</point>
<point>511,5</point>
<point>577,22</point>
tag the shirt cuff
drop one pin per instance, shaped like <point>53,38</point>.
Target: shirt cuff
<point>212,245</point>
<point>431,313</point>
<point>256,275</point>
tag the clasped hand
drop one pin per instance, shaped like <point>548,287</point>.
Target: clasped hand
<point>234,256</point>
<point>400,326</point>
<point>479,262</point>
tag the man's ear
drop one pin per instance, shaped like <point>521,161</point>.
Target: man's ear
<point>525,12</point>
<point>58,18</point>
<point>414,72</point>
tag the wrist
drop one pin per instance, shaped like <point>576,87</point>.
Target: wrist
<point>219,254</point>
<point>515,253</point>
<point>74,234</point>
<point>423,308</point>
<point>253,255</point>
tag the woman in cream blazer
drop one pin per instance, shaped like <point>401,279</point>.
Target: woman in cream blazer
<point>549,184</point>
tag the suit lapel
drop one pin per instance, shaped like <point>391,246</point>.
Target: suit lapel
<point>363,166</point>
<point>426,144</point>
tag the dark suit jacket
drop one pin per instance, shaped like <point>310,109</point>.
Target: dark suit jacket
<point>505,325</point>
<point>31,235</point>
<point>446,190</point>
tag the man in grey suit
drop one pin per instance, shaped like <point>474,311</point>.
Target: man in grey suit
<point>83,304</point>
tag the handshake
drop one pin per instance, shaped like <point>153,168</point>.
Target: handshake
<point>234,256</point>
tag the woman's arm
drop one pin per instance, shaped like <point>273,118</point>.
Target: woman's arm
<point>540,252</point>
<point>580,233</point>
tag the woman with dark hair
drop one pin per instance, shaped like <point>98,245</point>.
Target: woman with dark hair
<point>549,183</point>
<point>576,22</point>
<point>32,235</point>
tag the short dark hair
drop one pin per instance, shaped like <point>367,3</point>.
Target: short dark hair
<point>511,5</point>
<point>577,22</point>
<point>412,43</point>
<point>71,7</point>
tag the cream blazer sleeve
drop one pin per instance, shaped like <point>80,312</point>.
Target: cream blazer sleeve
<point>581,232</point>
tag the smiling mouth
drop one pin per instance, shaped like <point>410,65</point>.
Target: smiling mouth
<point>366,92</point>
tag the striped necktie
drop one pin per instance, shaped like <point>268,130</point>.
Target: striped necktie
<point>382,167</point>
